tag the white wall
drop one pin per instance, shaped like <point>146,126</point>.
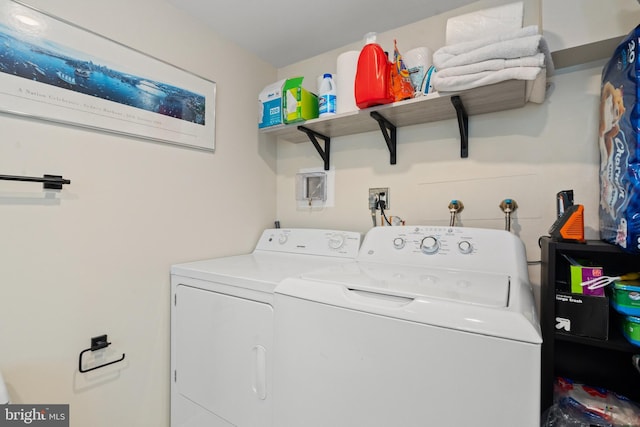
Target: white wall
<point>95,258</point>
<point>527,154</point>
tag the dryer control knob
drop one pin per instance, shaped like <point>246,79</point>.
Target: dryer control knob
<point>465,247</point>
<point>283,239</point>
<point>430,245</point>
<point>398,243</point>
<point>336,241</point>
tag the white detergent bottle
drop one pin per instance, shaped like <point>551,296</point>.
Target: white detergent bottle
<point>327,96</point>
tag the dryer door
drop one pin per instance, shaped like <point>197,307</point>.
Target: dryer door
<point>222,354</point>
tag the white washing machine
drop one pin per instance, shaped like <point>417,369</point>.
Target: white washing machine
<point>431,326</point>
<point>222,325</point>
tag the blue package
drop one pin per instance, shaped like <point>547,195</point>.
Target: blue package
<point>619,140</point>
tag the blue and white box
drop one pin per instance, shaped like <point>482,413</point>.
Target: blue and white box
<point>270,105</point>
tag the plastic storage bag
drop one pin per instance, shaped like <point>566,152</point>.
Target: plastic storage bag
<point>565,414</point>
<point>619,141</point>
<point>580,405</point>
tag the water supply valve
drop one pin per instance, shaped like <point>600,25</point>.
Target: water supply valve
<point>455,206</point>
<point>508,206</point>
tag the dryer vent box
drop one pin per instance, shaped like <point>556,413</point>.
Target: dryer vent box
<point>311,186</point>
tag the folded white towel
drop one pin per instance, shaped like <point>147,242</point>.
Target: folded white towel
<point>512,45</point>
<point>537,60</point>
<point>507,49</point>
<point>470,81</point>
<point>470,46</point>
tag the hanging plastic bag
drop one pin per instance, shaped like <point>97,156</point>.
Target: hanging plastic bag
<point>400,80</point>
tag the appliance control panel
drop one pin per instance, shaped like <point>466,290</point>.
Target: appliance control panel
<point>309,241</point>
<point>441,246</point>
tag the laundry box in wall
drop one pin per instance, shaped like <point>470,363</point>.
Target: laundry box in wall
<point>298,103</point>
<point>270,105</point>
<point>583,315</point>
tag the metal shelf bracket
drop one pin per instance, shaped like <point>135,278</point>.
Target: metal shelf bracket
<point>463,124</point>
<point>389,133</point>
<point>313,137</point>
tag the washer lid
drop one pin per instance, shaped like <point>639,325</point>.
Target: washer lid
<point>472,287</point>
<point>477,302</point>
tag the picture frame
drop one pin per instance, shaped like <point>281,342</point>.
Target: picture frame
<point>54,70</point>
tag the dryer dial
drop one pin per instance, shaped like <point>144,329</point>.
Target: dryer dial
<point>336,241</point>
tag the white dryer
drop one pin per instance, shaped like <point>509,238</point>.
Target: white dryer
<point>431,326</point>
<point>222,325</point>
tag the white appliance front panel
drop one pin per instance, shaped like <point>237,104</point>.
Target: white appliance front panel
<point>223,355</point>
<point>343,368</point>
<point>185,413</point>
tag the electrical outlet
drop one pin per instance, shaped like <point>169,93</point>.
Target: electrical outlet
<point>380,193</point>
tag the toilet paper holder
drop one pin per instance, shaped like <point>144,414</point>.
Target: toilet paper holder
<point>97,343</point>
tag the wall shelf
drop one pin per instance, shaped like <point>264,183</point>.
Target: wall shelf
<point>430,108</point>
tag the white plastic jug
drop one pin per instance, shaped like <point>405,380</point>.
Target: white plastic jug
<point>327,96</point>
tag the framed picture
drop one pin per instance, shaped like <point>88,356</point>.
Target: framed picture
<point>53,70</point>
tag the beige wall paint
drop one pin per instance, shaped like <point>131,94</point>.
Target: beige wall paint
<point>95,259</point>
<point>527,154</point>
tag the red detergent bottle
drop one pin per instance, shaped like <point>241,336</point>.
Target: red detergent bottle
<point>373,74</point>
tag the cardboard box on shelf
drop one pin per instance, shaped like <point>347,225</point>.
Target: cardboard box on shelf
<point>579,274</point>
<point>298,103</point>
<point>582,315</point>
<point>270,105</point>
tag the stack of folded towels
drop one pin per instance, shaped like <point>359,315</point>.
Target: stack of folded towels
<point>521,54</point>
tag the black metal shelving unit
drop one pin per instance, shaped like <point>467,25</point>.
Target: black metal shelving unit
<point>601,363</point>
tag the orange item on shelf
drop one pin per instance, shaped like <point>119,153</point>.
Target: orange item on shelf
<point>373,75</point>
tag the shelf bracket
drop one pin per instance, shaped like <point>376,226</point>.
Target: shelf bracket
<point>463,124</point>
<point>389,132</point>
<point>313,137</point>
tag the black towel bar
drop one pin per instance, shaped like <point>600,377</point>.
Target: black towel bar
<point>51,182</point>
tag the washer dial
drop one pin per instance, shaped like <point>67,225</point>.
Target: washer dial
<point>465,247</point>
<point>430,245</point>
<point>398,243</point>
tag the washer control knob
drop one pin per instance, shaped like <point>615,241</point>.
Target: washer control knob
<point>465,247</point>
<point>282,239</point>
<point>336,241</point>
<point>430,245</point>
<point>398,243</point>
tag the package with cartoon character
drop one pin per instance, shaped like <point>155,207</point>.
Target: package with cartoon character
<point>619,141</point>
